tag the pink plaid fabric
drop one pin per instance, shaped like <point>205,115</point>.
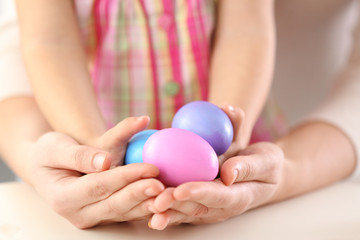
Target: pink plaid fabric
<point>149,56</point>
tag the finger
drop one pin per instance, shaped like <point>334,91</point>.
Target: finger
<point>89,217</point>
<point>132,202</point>
<point>165,200</point>
<point>190,208</point>
<point>237,117</point>
<point>176,217</point>
<point>98,186</point>
<point>159,221</point>
<point>68,154</point>
<point>262,166</point>
<point>171,217</point>
<point>123,131</point>
<point>126,200</point>
<point>115,140</point>
<point>211,194</point>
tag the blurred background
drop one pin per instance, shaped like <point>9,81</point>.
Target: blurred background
<point>314,40</point>
<point>5,173</point>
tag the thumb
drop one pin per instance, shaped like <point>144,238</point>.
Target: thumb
<point>86,159</point>
<point>119,135</point>
<point>56,150</point>
<point>237,118</point>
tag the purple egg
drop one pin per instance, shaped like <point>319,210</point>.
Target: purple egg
<point>208,121</point>
<point>181,156</point>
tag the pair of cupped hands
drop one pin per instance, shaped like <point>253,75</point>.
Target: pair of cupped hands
<point>87,186</point>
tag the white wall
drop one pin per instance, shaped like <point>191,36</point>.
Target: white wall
<point>314,38</point>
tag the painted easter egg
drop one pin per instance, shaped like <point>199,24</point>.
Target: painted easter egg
<point>181,156</point>
<point>208,121</point>
<point>135,146</point>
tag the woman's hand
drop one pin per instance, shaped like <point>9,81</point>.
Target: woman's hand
<point>247,181</point>
<point>120,194</point>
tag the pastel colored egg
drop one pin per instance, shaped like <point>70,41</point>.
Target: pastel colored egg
<point>208,121</point>
<point>181,156</point>
<point>135,146</point>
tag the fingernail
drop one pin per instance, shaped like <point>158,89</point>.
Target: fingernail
<point>151,209</point>
<point>231,108</point>
<point>236,174</point>
<point>99,161</point>
<point>149,223</point>
<point>150,192</point>
<point>142,117</point>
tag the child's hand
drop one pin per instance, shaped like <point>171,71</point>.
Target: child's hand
<point>247,181</point>
<point>239,142</point>
<point>120,194</point>
<point>116,139</point>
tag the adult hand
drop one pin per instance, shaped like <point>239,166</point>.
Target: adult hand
<point>120,194</point>
<point>247,181</point>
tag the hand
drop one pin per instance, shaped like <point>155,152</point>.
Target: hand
<point>247,181</point>
<point>120,194</point>
<point>239,142</point>
<point>115,140</point>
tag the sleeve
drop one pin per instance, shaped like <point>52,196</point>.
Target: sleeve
<point>13,79</point>
<point>342,106</point>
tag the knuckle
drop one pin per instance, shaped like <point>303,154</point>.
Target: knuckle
<point>222,201</point>
<point>221,219</point>
<point>276,153</point>
<point>111,209</point>
<point>136,196</point>
<point>81,223</point>
<point>114,208</point>
<point>98,190</point>
<point>200,211</point>
<point>59,203</point>
<point>80,156</point>
<point>246,171</point>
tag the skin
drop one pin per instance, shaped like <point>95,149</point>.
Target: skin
<point>261,174</point>
<point>60,163</point>
<point>243,58</point>
<point>50,35</point>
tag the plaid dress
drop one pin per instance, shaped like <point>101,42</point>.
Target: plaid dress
<point>150,57</point>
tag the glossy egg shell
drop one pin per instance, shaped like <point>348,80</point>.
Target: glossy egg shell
<point>208,121</point>
<point>181,156</point>
<point>135,146</point>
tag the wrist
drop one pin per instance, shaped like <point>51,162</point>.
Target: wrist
<point>284,184</point>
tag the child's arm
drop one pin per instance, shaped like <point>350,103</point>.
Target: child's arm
<point>57,66</point>
<point>243,57</point>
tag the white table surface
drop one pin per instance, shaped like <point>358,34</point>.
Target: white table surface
<point>330,213</point>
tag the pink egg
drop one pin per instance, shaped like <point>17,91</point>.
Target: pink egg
<point>181,156</point>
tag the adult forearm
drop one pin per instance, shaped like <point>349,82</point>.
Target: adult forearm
<point>21,124</point>
<point>316,154</point>
<point>243,59</point>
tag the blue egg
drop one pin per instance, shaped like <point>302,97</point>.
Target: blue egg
<point>135,146</point>
<point>208,121</point>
